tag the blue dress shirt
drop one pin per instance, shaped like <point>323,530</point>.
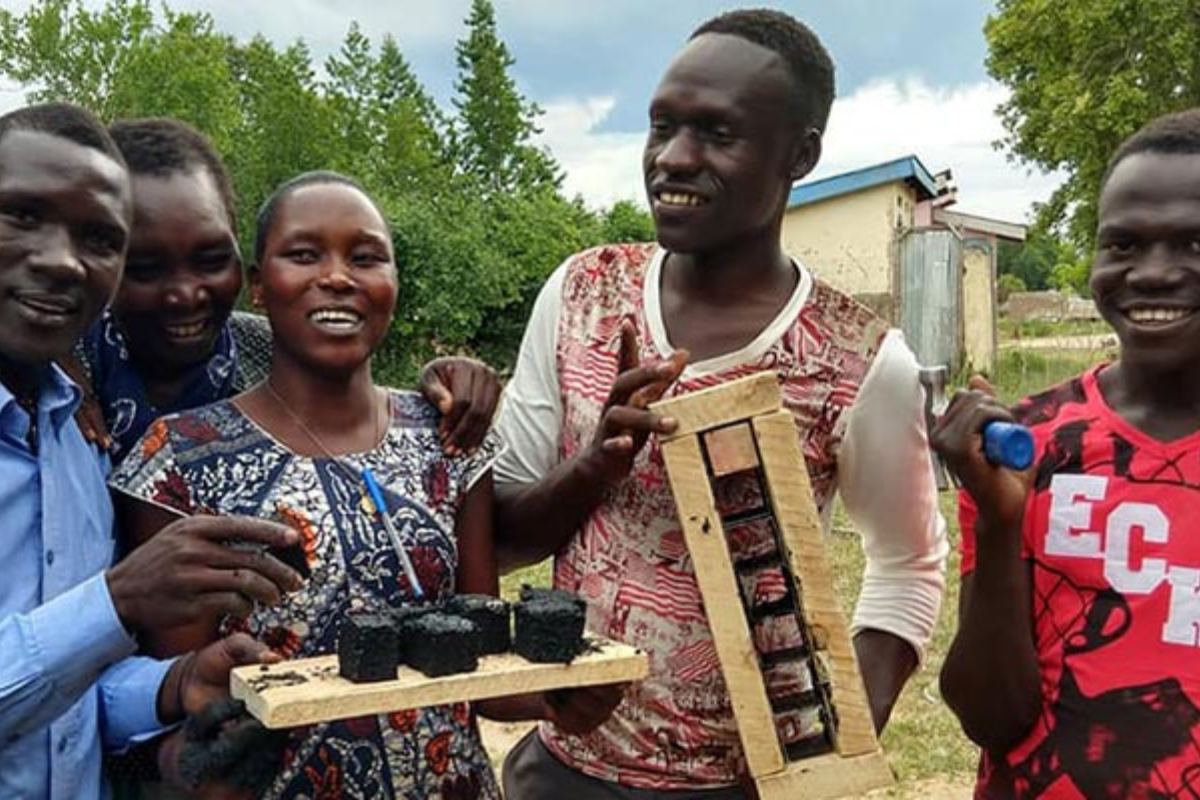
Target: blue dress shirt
<point>68,684</point>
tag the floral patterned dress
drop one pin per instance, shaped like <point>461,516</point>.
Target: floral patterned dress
<point>215,460</point>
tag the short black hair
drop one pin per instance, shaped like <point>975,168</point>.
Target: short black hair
<point>1170,134</point>
<point>268,210</point>
<point>807,60</point>
<point>64,120</point>
<point>161,147</point>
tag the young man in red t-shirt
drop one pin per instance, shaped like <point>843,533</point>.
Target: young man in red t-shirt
<point>1076,665</point>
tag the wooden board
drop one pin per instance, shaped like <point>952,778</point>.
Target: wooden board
<point>723,604</point>
<point>791,495</point>
<point>826,777</point>
<point>720,405</point>
<point>306,691</point>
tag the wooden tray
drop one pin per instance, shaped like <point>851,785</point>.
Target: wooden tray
<point>307,691</point>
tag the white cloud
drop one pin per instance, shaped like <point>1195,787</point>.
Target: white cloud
<point>945,127</point>
<point>602,166</point>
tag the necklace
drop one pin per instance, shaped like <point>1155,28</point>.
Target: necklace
<point>29,404</point>
<point>372,494</point>
<point>299,423</point>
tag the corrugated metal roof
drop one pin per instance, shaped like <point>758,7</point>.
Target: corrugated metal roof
<point>908,168</point>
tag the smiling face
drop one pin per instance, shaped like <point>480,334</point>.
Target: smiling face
<point>182,273</point>
<point>721,154</point>
<point>1146,275</point>
<point>327,278</point>
<point>64,222</point>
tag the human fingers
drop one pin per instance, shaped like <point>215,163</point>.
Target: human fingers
<point>432,384</point>
<point>581,710</point>
<point>630,353</point>
<point>979,383</point>
<point>239,528</point>
<point>629,382</point>
<point>476,420</point>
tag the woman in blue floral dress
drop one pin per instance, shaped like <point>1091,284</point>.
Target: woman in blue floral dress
<point>294,448</point>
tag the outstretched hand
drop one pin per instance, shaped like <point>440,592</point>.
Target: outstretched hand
<point>466,392</point>
<point>625,423</point>
<point>998,492</point>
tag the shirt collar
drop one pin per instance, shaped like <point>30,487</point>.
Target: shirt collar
<point>59,396</point>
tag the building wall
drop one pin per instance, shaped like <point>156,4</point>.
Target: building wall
<point>979,303</point>
<point>851,240</point>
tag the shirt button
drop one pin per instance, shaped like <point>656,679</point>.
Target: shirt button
<point>62,745</point>
<point>50,558</point>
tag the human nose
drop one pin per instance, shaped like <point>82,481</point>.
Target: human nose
<point>185,292</point>
<point>335,274</point>
<point>56,257</point>
<point>1159,266</point>
<point>679,154</point>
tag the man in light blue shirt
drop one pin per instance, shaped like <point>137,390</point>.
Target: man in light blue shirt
<point>69,683</point>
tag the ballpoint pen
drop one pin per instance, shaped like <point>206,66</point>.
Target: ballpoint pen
<point>382,510</point>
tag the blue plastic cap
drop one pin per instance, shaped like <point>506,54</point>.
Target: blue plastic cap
<point>1008,445</point>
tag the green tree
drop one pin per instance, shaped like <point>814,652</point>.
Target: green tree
<point>1084,75</point>
<point>626,221</point>
<point>388,126</point>
<point>496,124</point>
<point>1034,260</point>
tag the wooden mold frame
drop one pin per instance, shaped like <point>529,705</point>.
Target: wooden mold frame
<point>741,427</point>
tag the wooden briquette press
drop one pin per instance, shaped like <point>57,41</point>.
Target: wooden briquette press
<point>742,428</point>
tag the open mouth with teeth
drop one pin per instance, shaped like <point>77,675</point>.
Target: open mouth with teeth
<point>1150,317</point>
<point>336,319</point>
<point>680,199</point>
<point>189,330</point>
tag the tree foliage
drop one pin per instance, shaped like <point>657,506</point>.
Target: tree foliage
<point>1084,75</point>
<point>478,217</point>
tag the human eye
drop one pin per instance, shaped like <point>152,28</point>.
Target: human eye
<point>369,257</point>
<point>720,134</point>
<point>1117,245</point>
<point>302,255</point>
<point>215,260</point>
<point>103,239</point>
<point>21,215</point>
<point>142,269</point>
<point>660,127</point>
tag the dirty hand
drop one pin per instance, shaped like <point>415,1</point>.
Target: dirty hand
<point>189,573</point>
<point>223,753</point>
<point>466,392</point>
<point>998,492</point>
<point>582,710</point>
<point>626,424</point>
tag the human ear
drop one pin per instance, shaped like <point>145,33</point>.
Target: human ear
<point>806,152</point>
<point>256,290</point>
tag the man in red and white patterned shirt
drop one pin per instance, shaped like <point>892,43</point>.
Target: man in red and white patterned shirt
<point>737,118</point>
<point>1075,664</point>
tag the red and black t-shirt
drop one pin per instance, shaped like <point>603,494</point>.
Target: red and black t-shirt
<point>1112,530</point>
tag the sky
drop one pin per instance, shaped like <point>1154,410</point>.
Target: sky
<point>910,74</point>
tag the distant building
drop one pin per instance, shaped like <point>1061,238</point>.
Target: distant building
<point>885,234</point>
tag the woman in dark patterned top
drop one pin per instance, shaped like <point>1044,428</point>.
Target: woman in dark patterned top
<point>171,340</point>
<point>295,447</point>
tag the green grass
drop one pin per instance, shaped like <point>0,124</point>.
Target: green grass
<point>923,740</point>
<point>1020,373</point>
<point>1038,328</point>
